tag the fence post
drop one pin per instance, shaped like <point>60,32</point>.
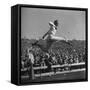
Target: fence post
<point>31,72</point>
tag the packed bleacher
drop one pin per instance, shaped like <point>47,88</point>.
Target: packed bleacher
<point>59,54</point>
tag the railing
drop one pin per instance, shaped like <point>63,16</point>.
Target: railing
<point>73,68</point>
<point>82,65</point>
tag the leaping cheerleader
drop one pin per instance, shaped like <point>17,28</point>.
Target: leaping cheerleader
<point>49,38</point>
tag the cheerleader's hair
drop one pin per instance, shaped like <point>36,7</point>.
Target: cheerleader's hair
<point>56,23</point>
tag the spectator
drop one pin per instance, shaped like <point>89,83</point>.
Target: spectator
<point>30,64</point>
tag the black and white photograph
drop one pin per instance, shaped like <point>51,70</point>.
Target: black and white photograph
<point>44,44</point>
<point>53,45</point>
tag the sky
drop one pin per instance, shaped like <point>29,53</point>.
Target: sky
<point>35,23</point>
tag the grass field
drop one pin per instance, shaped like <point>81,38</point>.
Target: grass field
<point>67,75</point>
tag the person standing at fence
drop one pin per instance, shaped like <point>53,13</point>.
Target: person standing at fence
<point>48,63</point>
<point>31,62</point>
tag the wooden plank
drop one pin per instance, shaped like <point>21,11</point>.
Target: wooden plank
<point>64,72</point>
<point>52,73</point>
<point>56,66</point>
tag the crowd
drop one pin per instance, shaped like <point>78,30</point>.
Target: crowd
<point>59,54</point>
<point>40,58</point>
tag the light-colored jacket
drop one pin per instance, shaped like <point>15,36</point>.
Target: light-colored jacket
<point>31,57</point>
